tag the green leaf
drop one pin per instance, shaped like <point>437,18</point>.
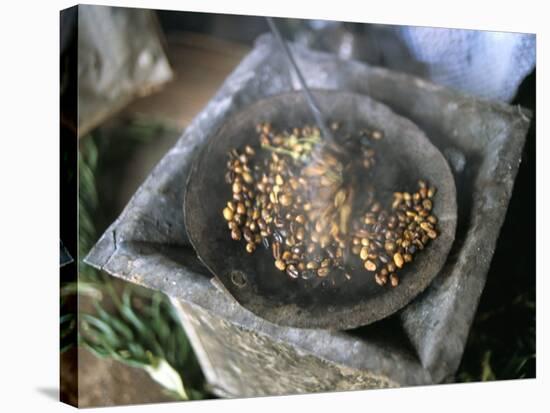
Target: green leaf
<point>139,325</point>
<point>115,323</point>
<point>104,331</point>
<point>486,370</point>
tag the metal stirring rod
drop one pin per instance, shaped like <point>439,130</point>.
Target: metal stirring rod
<point>313,106</point>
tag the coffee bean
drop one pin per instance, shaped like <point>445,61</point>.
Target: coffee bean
<point>292,271</point>
<point>280,264</point>
<point>380,279</point>
<point>248,236</point>
<point>398,260</point>
<point>236,234</point>
<point>228,214</point>
<point>370,266</point>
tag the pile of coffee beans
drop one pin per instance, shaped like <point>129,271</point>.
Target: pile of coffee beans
<point>292,197</point>
<point>387,240</point>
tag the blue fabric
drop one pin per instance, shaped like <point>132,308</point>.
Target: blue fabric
<point>485,64</point>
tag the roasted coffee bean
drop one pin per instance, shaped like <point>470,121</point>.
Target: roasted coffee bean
<point>261,224</point>
<point>423,193</point>
<point>427,204</point>
<point>290,241</point>
<point>239,219</point>
<point>312,265</point>
<point>236,234</point>
<point>247,177</point>
<point>325,263</point>
<point>241,209</point>
<point>380,279</point>
<point>398,260</point>
<point>418,244</point>
<point>278,237</point>
<point>280,264</point>
<point>276,250</point>
<point>432,234</point>
<point>286,199</point>
<point>300,219</point>
<point>228,214</point>
<point>370,265</point>
<point>237,187</point>
<point>292,271</point>
<point>426,226</point>
<point>389,246</point>
<point>248,236</point>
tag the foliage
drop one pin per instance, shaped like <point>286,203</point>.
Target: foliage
<point>144,332</point>
<point>502,343</point>
<point>132,325</point>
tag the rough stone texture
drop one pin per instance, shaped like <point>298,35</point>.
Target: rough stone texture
<point>421,344</point>
<point>64,256</point>
<point>252,358</point>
